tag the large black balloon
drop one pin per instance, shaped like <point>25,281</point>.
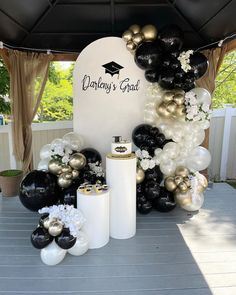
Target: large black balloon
<point>199,64</point>
<point>148,55</point>
<point>68,195</point>
<point>39,189</point>
<point>91,155</point>
<point>151,189</point>
<point>65,240</point>
<point>171,38</point>
<point>152,75</point>
<point>40,238</point>
<point>165,202</point>
<point>140,134</point>
<point>167,79</point>
<point>154,174</point>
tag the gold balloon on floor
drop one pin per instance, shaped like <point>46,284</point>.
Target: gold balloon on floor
<point>140,175</point>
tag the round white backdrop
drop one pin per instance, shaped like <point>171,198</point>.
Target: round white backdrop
<point>109,93</point>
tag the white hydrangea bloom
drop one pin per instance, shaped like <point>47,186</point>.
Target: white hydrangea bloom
<point>138,154</point>
<point>145,154</point>
<point>65,159</point>
<point>152,164</point>
<point>205,107</point>
<point>144,164</point>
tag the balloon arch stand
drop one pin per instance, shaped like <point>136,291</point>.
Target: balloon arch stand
<point>153,71</point>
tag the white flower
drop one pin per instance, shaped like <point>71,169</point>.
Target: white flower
<point>145,154</point>
<point>138,154</point>
<point>193,100</point>
<point>65,159</point>
<point>197,118</point>
<point>184,59</point>
<point>205,107</point>
<point>144,164</point>
<point>189,116</point>
<point>152,164</point>
<point>194,110</point>
<point>68,150</point>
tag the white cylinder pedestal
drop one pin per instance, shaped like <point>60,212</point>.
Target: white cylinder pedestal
<point>95,208</point>
<point>121,178</point>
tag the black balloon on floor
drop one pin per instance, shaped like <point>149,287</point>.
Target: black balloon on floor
<point>151,189</point>
<point>91,155</point>
<point>165,202</point>
<point>143,205</point>
<point>65,240</point>
<point>148,55</point>
<point>40,238</point>
<point>39,189</point>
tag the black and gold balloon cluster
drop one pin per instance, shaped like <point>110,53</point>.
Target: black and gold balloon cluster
<point>161,55</point>
<point>172,105</point>
<point>179,182</point>
<point>50,229</point>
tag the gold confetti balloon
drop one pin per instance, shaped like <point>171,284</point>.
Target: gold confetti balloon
<point>127,35</point>
<point>149,32</point>
<point>140,175</point>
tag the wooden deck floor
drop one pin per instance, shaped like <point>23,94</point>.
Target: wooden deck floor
<point>177,253</point>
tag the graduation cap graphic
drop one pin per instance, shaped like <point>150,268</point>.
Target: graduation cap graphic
<point>112,68</point>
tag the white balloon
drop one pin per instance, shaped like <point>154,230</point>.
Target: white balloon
<point>163,157</point>
<point>57,141</point>
<point>45,151</point>
<point>81,246</point>
<point>172,149</point>
<point>168,133</point>
<point>52,254</point>
<point>198,137</point>
<point>203,96</point>
<point>158,151</point>
<point>74,140</point>
<point>199,159</point>
<point>43,164</point>
<point>168,168</point>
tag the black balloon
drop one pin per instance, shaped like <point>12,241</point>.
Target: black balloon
<point>199,64</point>
<point>140,134</point>
<point>139,188</point>
<point>154,131</point>
<point>171,38</point>
<point>154,174</point>
<point>151,189</point>
<point>167,78</point>
<point>68,195</point>
<point>91,155</point>
<point>65,240</point>
<point>160,140</point>
<point>165,202</point>
<point>180,75</point>
<point>40,238</point>
<point>39,189</point>
<point>144,208</point>
<point>152,75</point>
<point>43,216</point>
<point>148,55</point>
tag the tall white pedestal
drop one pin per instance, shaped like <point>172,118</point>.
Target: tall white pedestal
<point>95,208</point>
<point>121,178</point>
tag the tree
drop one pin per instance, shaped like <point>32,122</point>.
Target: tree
<point>226,82</point>
<point>5,107</point>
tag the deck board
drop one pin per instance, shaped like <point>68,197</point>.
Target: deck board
<point>177,253</point>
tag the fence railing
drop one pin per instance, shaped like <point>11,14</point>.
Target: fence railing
<point>222,142</point>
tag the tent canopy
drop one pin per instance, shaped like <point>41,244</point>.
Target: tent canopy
<point>72,24</point>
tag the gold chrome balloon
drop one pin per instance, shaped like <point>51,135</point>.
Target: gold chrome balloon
<point>182,171</point>
<point>137,38</point>
<point>178,179</point>
<point>55,228</point>
<point>170,184</point>
<point>183,199</point>
<point>140,175</point>
<point>171,107</point>
<point>131,46</point>
<point>66,168</point>
<point>47,222</point>
<point>127,35</point>
<point>135,29</point>
<point>63,181</point>
<point>55,167</point>
<point>149,32</point>
<point>179,99</point>
<point>77,161</point>
<point>183,187</point>
<point>162,111</point>
<point>180,111</point>
<point>187,181</point>
<point>75,174</point>
<point>168,96</point>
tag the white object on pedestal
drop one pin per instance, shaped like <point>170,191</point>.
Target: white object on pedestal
<point>95,208</point>
<point>121,178</point>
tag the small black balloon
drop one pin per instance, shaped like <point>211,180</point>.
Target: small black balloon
<point>167,78</point>
<point>91,155</point>
<point>140,134</point>
<point>40,238</point>
<point>160,140</point>
<point>165,202</point>
<point>154,131</point>
<point>154,174</point>
<point>65,240</point>
<point>139,188</point>
<point>144,208</point>
<point>151,189</point>
<point>141,198</point>
<point>199,64</point>
<point>171,38</point>
<point>39,189</point>
<point>148,55</point>
<point>180,75</point>
<point>152,75</point>
<point>166,61</point>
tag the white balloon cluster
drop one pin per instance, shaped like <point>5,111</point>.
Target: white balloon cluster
<point>186,134</point>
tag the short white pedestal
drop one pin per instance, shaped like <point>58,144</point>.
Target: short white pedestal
<point>121,178</point>
<point>95,208</point>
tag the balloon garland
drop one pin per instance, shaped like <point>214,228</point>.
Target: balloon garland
<point>59,232</point>
<point>175,117</point>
